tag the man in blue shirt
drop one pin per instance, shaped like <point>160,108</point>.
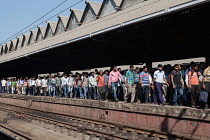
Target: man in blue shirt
<point>159,79</point>
<point>130,77</point>
<point>106,81</point>
<point>138,86</point>
<point>145,83</point>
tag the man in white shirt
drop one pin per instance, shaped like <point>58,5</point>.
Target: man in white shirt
<point>3,82</point>
<point>70,84</point>
<point>33,86</point>
<point>44,85</point>
<point>159,79</point>
<point>64,83</point>
<point>93,86</point>
<point>38,85</point>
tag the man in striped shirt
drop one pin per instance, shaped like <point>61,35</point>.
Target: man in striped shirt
<point>145,83</point>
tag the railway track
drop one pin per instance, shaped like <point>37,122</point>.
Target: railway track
<point>7,133</point>
<point>85,128</point>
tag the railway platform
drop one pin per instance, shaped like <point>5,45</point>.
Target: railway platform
<point>183,122</point>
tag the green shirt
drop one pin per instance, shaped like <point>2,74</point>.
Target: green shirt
<point>131,76</point>
<point>13,83</point>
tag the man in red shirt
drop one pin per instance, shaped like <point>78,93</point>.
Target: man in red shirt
<point>194,84</point>
<point>101,83</point>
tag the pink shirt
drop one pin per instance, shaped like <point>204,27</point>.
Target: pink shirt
<point>113,76</point>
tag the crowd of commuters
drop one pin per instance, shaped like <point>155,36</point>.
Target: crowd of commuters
<point>177,85</point>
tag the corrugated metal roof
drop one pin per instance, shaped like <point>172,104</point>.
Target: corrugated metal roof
<point>42,29</point>
<point>25,39</point>
<point>77,13</point>
<point>133,12</point>
<point>7,47</point>
<point>64,20</point>
<point>95,5</point>
<point>118,2</point>
<point>13,44</point>
<point>1,49</point>
<point>52,25</point>
<point>19,41</point>
<point>34,34</point>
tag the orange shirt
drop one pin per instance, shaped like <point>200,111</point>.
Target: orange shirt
<point>100,79</point>
<point>194,78</point>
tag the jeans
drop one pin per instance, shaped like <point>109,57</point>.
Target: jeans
<point>85,92</point>
<point>106,91</point>
<point>114,87</point>
<point>138,92</point>
<point>3,89</point>
<point>158,93</point>
<point>33,90</point>
<point>65,90</point>
<point>178,93</point>
<point>44,91</point>
<point>52,90</point>
<point>70,90</point>
<point>58,91</point>
<point>38,90</point>
<point>145,93</point>
<point>207,89</point>
<point>13,90</point>
<point>93,93</point>
<point>79,88</point>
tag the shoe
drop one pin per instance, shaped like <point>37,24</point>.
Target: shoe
<point>138,102</point>
<point>163,104</point>
<point>116,100</point>
<point>193,106</point>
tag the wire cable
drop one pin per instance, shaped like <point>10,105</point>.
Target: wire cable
<point>41,18</point>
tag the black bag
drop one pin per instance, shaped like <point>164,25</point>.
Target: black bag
<point>203,97</point>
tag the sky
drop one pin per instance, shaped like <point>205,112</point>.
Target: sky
<point>15,15</point>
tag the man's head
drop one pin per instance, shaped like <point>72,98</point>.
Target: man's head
<point>114,68</point>
<point>137,69</point>
<point>176,67</point>
<point>101,72</point>
<point>192,64</point>
<point>145,69</point>
<point>160,67</point>
<point>65,75</point>
<point>78,75</point>
<point>71,74</point>
<point>195,67</point>
<point>119,69</point>
<point>106,72</point>
<point>131,67</point>
<point>92,73</point>
<point>202,65</point>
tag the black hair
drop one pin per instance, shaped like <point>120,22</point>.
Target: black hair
<point>131,66</point>
<point>119,69</point>
<point>192,63</point>
<point>145,67</point>
<point>176,65</point>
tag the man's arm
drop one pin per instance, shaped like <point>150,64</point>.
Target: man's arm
<point>172,81</point>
